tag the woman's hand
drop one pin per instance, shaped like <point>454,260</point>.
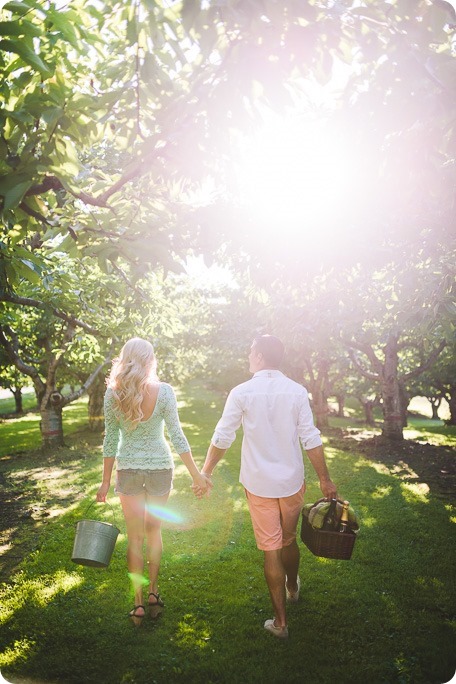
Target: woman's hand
<point>202,484</point>
<point>102,492</point>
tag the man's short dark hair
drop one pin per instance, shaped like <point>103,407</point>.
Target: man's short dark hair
<point>272,349</point>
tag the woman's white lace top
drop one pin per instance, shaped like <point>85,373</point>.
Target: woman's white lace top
<point>144,447</point>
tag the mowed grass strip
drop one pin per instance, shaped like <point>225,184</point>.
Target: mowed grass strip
<point>387,615</point>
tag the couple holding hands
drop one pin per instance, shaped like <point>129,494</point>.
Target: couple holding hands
<point>275,414</point>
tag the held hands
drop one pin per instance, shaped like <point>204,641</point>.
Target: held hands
<point>102,492</point>
<point>202,485</point>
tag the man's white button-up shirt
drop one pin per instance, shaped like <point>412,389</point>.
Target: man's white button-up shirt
<point>275,414</point>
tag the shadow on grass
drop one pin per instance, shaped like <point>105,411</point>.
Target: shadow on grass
<point>36,488</point>
<point>384,616</point>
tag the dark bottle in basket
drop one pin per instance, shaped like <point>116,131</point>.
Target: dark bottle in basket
<point>330,523</point>
<point>343,526</point>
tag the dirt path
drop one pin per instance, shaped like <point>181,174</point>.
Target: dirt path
<point>34,489</point>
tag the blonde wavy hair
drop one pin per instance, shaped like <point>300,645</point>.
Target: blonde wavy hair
<point>131,372</point>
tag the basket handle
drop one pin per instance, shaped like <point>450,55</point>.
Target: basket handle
<point>104,502</point>
<point>324,498</point>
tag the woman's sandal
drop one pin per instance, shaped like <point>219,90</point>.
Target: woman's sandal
<point>136,619</point>
<point>157,606</point>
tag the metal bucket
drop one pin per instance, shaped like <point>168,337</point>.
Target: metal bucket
<point>94,543</point>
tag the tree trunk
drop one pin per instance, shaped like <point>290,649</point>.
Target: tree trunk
<point>435,405</point>
<point>52,427</point>
<point>52,420</point>
<point>452,404</point>
<point>392,410</point>
<point>95,408</point>
<point>341,405</point>
<point>17,393</point>
<point>320,408</point>
<point>404,399</point>
<point>369,412</point>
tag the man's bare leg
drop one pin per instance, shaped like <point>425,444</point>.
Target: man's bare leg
<point>274,573</point>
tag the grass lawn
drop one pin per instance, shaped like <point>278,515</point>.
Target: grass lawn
<point>385,616</point>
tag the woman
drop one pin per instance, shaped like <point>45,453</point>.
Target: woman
<point>136,407</point>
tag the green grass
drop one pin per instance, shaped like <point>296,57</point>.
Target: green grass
<point>8,405</point>
<point>26,432</point>
<point>387,615</point>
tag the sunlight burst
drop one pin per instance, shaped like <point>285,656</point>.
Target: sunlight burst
<point>297,178</point>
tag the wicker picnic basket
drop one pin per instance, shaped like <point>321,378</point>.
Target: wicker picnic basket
<point>328,544</point>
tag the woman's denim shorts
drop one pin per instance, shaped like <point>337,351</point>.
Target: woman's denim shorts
<point>132,481</point>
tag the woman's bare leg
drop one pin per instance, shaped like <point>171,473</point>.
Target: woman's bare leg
<point>133,508</point>
<point>154,542</point>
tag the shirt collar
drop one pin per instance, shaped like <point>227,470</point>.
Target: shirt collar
<point>268,373</point>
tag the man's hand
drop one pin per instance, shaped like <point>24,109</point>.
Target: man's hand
<point>202,484</point>
<point>328,488</point>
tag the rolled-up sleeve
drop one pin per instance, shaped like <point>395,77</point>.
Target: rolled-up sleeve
<point>309,435</point>
<point>111,437</point>
<point>225,430</point>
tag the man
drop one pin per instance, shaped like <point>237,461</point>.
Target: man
<point>275,414</point>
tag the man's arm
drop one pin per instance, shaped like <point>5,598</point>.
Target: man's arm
<point>317,458</point>
<point>214,455</point>
<point>224,435</point>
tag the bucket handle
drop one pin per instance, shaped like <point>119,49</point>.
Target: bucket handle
<point>105,502</point>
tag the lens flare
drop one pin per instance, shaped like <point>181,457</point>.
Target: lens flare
<point>164,513</point>
<point>137,580</point>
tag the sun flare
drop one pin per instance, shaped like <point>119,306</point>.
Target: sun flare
<point>296,175</point>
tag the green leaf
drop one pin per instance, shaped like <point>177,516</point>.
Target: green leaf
<point>28,270</point>
<point>14,196</point>
<point>64,24</point>
<point>19,28</point>
<point>3,149</point>
<point>27,55</point>
<point>51,115</point>
<point>17,7</point>
<point>190,12</point>
<point>132,31</point>
<point>21,116</point>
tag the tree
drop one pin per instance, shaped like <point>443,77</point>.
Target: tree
<point>12,380</point>
<point>115,114</point>
<point>441,382</point>
<point>383,369</point>
<point>104,103</point>
<point>391,320</point>
<point>40,338</point>
<point>50,399</point>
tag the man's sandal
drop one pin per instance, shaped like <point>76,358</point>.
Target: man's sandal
<point>136,619</point>
<point>156,606</point>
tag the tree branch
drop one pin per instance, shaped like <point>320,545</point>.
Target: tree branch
<point>78,393</point>
<point>12,349</point>
<point>426,364</point>
<point>26,301</point>
<point>49,183</point>
<point>362,370</point>
<point>34,214</point>
<point>55,361</point>
<point>371,355</point>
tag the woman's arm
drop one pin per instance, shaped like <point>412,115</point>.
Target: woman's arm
<point>110,442</point>
<point>181,445</point>
<point>200,483</point>
<point>112,427</point>
<point>172,422</point>
<point>108,464</point>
